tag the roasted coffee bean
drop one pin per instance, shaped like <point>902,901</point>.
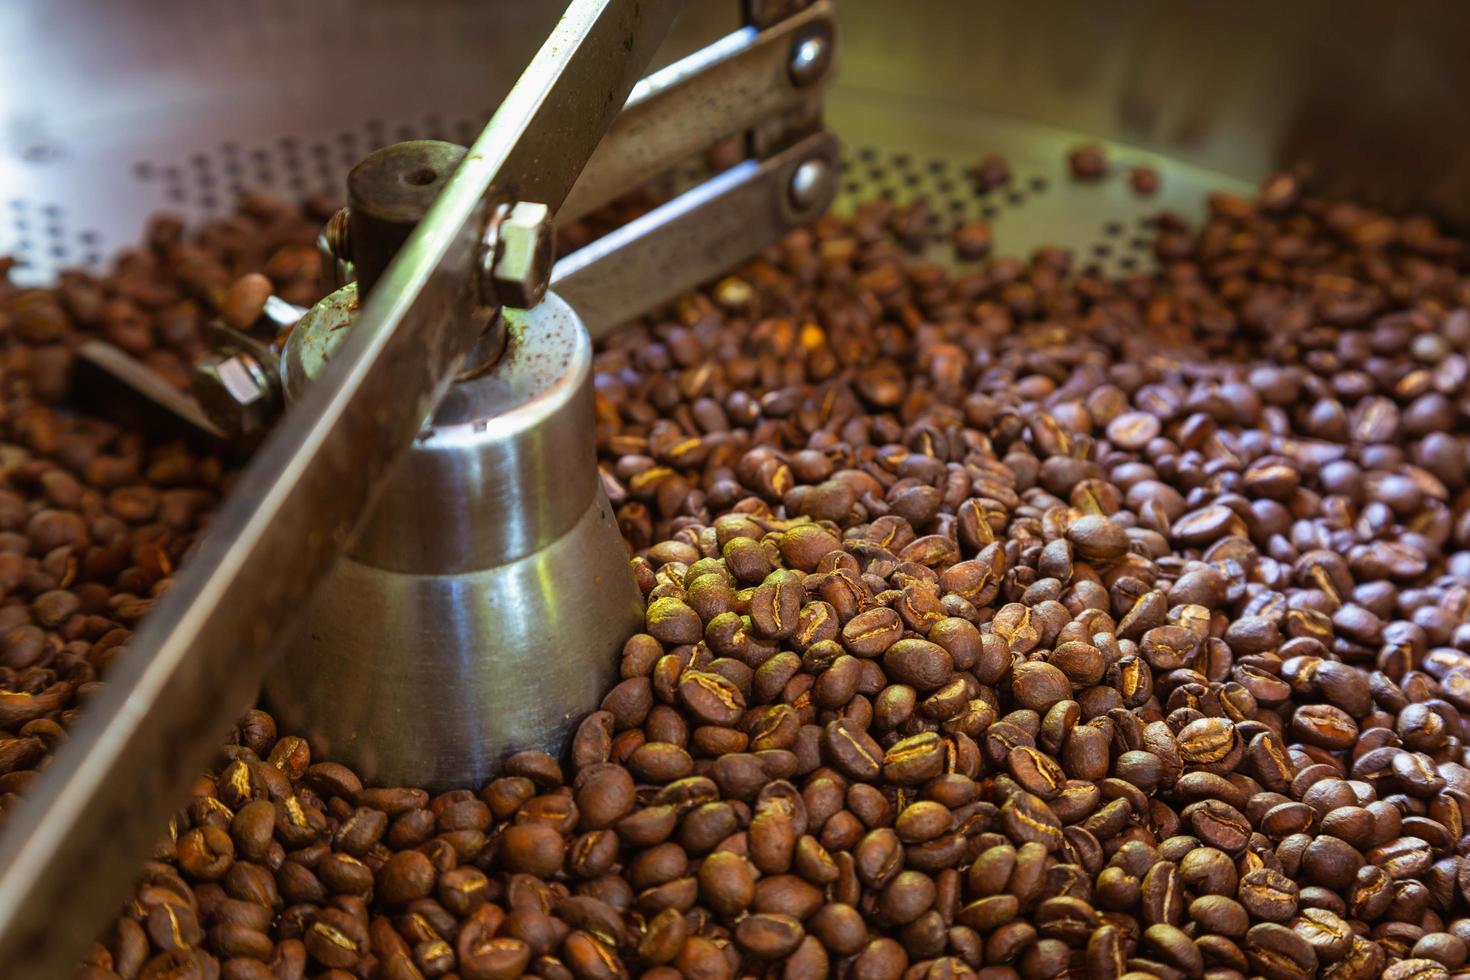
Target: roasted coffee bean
<point>768,936</point>
<point>1327,933</point>
<point>1173,947</point>
<point>1038,686</point>
<point>1331,862</point>
<point>1036,772</point>
<point>1162,894</point>
<point>1207,871</point>
<point>915,760</point>
<point>1221,915</point>
<point>852,751</point>
<point>1279,953</point>
<point>1027,819</point>
<point>727,882</point>
<point>920,664</point>
<point>1268,895</point>
<point>1219,825</point>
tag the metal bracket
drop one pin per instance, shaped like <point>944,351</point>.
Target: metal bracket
<point>745,80</point>
<point>697,235</point>
<point>137,379</point>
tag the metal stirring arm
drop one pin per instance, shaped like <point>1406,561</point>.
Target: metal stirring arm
<point>74,844</point>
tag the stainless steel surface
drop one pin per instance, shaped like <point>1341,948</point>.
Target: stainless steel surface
<point>696,236</point>
<point>812,54</point>
<point>1365,95</point>
<point>720,90</point>
<point>196,663</point>
<point>482,606</point>
<point>109,112</point>
<point>491,557</point>
<point>909,152</point>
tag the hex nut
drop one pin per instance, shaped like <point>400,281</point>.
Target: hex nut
<point>524,252</point>
<point>234,391</point>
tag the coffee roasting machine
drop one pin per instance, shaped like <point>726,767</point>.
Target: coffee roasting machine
<point>453,561</point>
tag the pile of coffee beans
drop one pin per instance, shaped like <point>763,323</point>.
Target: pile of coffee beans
<point>1004,622</point>
<point>93,517</point>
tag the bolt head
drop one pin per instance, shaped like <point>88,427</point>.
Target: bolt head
<point>807,183</point>
<point>811,55</point>
<point>525,249</point>
<point>234,392</point>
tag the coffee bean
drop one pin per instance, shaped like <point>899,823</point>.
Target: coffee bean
<point>1279,953</point>
<point>1027,819</point>
<point>727,882</point>
<point>1328,934</point>
<point>1220,914</point>
<point>1268,895</point>
<point>1207,741</point>
<point>1220,825</point>
<point>1106,955</point>
<point>605,797</point>
<point>533,848</point>
<point>776,605</point>
<point>1097,539</point>
<point>908,895</point>
<point>1036,772</point>
<point>852,751</point>
<point>1208,871</point>
<point>878,857</point>
<point>870,633</point>
<point>1088,162</point>
<point>918,663</point>
<point>1162,894</point>
<point>840,928</point>
<point>1038,686</point>
<point>914,760</point>
<point>991,912</point>
<point>768,936</point>
<point>1331,861</point>
<point>1174,947</point>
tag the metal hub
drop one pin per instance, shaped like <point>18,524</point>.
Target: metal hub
<point>482,605</point>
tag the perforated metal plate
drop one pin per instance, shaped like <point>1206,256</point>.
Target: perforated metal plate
<point>111,112</point>
<point>904,149</point>
<point>146,106</point>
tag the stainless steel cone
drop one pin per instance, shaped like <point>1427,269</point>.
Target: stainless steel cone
<point>482,609</point>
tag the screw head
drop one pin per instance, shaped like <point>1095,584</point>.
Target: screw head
<point>811,55</point>
<point>524,251</point>
<point>807,183</point>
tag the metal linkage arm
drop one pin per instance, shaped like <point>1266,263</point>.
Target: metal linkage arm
<point>698,234</point>
<point>72,848</point>
<point>744,79</point>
